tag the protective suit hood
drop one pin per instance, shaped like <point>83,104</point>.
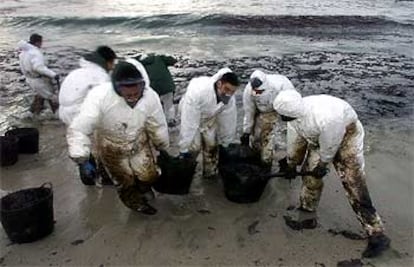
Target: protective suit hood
<point>258,74</point>
<point>220,74</point>
<point>24,46</point>
<point>289,103</point>
<point>95,58</point>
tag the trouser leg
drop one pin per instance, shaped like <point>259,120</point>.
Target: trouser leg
<point>264,133</point>
<point>311,187</point>
<point>349,164</point>
<point>210,152</point>
<point>37,105</point>
<point>167,103</point>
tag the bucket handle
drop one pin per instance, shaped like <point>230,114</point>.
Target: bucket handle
<point>11,127</point>
<point>47,185</point>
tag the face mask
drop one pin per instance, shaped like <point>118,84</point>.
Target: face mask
<point>225,98</point>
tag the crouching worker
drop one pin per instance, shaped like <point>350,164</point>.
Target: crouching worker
<point>130,125</point>
<point>260,119</point>
<point>208,118</point>
<point>327,129</point>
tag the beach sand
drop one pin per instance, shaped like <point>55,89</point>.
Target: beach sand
<point>93,228</point>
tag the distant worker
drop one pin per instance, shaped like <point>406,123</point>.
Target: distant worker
<point>94,70</point>
<point>327,130</point>
<point>208,118</point>
<point>130,127</point>
<point>161,81</point>
<point>259,116</point>
<point>38,76</point>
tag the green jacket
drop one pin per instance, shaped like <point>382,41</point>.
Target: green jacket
<point>159,75</point>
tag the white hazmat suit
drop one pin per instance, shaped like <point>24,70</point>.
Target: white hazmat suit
<point>328,129</point>
<point>125,136</point>
<point>259,116</point>
<point>205,122</point>
<point>76,86</point>
<point>38,76</point>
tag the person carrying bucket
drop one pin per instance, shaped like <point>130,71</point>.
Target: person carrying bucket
<point>208,118</point>
<point>126,115</point>
<point>323,129</point>
<point>94,70</point>
<point>38,76</point>
<point>259,127</point>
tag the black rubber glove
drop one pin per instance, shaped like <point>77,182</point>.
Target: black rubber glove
<point>320,171</point>
<point>244,139</point>
<point>185,155</point>
<point>164,154</point>
<point>290,172</point>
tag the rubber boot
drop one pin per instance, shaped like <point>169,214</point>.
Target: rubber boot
<point>300,219</point>
<point>376,245</point>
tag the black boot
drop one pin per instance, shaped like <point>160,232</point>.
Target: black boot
<point>147,209</point>
<point>376,245</point>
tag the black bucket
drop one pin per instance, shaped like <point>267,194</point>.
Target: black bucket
<point>243,182</point>
<point>241,170</point>
<point>27,215</point>
<point>176,175</point>
<point>28,139</point>
<point>9,150</point>
<point>236,153</point>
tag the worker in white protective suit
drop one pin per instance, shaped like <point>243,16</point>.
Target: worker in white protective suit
<point>259,116</point>
<point>326,129</point>
<point>208,118</point>
<point>94,68</point>
<point>130,126</point>
<point>38,76</point>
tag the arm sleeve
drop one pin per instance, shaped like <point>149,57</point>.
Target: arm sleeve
<point>169,60</point>
<point>190,121</point>
<point>249,110</point>
<point>330,139</point>
<point>227,124</point>
<point>83,126</point>
<point>38,65</point>
<point>296,146</point>
<point>156,125</point>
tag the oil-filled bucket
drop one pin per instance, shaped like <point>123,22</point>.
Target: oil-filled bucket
<point>176,175</point>
<point>241,171</point>
<point>243,182</point>
<point>9,150</point>
<point>27,215</point>
<point>28,139</point>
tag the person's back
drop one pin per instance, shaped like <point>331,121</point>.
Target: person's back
<point>76,86</point>
<point>93,71</point>
<point>326,110</point>
<point>157,69</point>
<point>161,81</point>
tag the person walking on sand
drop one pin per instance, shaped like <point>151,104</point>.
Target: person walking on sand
<point>327,130</point>
<point>259,115</point>
<point>208,118</point>
<point>161,81</point>
<point>94,70</point>
<point>38,76</point>
<point>130,126</point>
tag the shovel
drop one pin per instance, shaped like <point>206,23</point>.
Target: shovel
<point>283,174</point>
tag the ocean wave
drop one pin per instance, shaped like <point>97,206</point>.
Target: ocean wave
<point>215,20</point>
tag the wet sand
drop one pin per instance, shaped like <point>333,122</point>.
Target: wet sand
<point>93,228</point>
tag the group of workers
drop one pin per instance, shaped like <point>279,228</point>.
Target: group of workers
<point>113,113</point>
